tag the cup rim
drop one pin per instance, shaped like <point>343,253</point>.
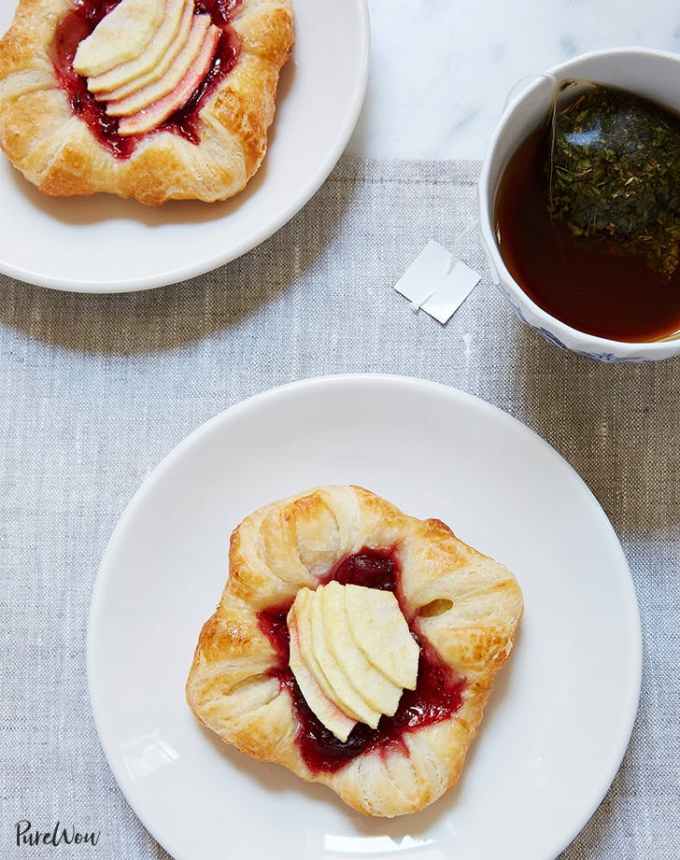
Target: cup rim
<point>593,342</point>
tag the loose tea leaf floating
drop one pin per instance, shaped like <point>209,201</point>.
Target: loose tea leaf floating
<point>614,171</point>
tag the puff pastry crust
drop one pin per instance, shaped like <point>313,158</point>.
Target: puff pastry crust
<point>466,605</point>
<point>57,152</point>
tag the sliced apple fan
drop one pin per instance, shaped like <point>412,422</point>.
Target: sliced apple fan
<point>145,59</point>
<point>351,653</point>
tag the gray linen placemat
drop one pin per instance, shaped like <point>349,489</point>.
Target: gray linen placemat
<point>95,391</point>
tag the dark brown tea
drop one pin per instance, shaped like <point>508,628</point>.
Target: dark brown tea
<point>590,284</point>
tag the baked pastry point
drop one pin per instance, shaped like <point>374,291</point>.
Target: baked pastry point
<point>355,645</point>
<point>151,99</point>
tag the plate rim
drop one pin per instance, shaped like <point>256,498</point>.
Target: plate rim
<point>193,270</point>
<point>104,570</point>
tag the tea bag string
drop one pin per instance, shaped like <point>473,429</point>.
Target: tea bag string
<point>512,92</point>
<point>525,80</point>
<point>458,241</point>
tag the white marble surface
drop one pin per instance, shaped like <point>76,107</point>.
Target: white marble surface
<point>441,69</point>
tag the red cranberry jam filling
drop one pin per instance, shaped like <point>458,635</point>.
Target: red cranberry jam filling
<point>437,696</point>
<point>78,25</point>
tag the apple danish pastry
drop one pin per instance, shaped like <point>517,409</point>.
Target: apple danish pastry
<point>149,99</point>
<point>356,646</point>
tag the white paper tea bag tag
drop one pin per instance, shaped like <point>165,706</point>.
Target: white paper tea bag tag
<point>419,281</point>
<point>437,284</point>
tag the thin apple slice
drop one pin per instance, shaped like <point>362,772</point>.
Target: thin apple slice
<point>171,79</point>
<point>304,603</point>
<point>150,56</point>
<point>303,607</point>
<point>380,631</point>
<point>177,45</point>
<point>376,690</point>
<point>346,696</point>
<point>119,37</point>
<point>324,709</point>
<point>152,116</point>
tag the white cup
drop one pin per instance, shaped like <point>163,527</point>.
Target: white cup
<point>649,73</point>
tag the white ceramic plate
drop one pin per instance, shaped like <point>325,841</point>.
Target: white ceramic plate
<point>562,713</point>
<point>102,244</point>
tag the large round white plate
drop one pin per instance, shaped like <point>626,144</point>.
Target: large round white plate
<point>561,715</point>
<point>102,244</point>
